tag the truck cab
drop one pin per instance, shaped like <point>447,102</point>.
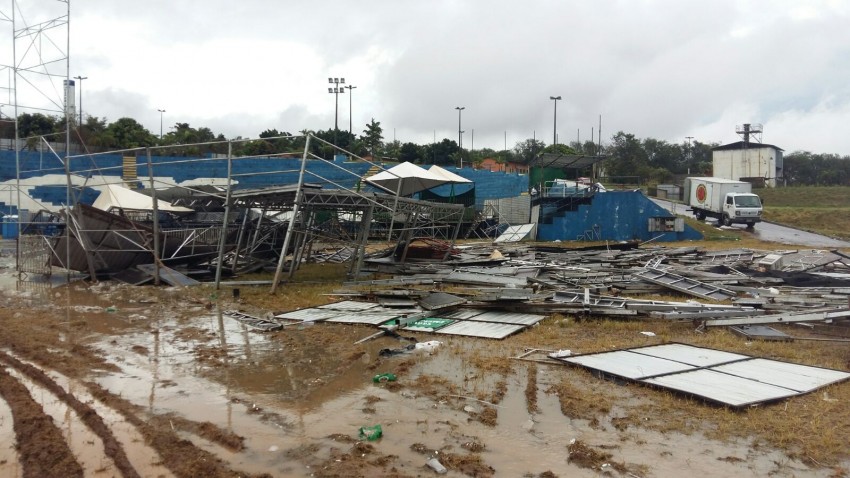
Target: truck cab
<point>741,208</point>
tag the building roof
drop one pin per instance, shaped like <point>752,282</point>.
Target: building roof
<point>565,161</point>
<point>740,145</point>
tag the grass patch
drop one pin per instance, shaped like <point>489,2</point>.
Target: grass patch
<point>806,196</point>
<point>833,222</point>
<point>820,209</point>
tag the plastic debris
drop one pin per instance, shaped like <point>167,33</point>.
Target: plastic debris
<point>649,334</point>
<point>371,433</point>
<point>435,465</point>
<point>384,377</point>
<point>429,346</point>
<point>561,353</point>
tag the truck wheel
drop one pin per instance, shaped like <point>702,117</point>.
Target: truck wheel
<point>726,220</point>
<point>751,225</point>
<point>700,216</point>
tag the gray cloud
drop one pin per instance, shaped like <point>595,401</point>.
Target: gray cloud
<point>656,68</point>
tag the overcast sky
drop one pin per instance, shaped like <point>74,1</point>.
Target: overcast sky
<point>664,69</point>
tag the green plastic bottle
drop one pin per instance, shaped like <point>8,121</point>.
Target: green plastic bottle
<point>384,377</point>
<point>370,433</point>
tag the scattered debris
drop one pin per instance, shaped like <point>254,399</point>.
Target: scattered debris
<point>726,378</point>
<point>372,433</point>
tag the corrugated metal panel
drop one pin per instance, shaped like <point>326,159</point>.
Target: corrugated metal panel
<point>487,330</point>
<point>624,363</point>
<point>801,378</point>
<point>396,302</point>
<point>722,388</point>
<point>485,279</point>
<point>515,233</point>
<point>364,317</point>
<point>707,373</point>
<point>309,314</point>
<point>463,314</point>
<point>349,305</point>
<point>697,356</point>
<point>508,318</point>
<point>440,300</point>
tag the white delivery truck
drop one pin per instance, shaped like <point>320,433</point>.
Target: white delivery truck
<point>728,201</point>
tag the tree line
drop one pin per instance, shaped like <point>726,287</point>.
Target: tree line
<point>651,160</point>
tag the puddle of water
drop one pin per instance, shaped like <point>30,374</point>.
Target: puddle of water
<point>86,447</point>
<point>144,459</point>
<point>308,394</point>
<point>10,465</point>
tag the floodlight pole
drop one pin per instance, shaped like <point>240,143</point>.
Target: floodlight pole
<point>460,134</point>
<point>81,78</point>
<point>350,94</point>
<point>336,90</point>
<point>555,128</point>
<point>160,123</point>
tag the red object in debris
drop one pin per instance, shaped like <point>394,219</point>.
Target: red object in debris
<point>426,248</point>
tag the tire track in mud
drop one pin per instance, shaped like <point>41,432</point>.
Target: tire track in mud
<point>40,443</point>
<point>87,415</point>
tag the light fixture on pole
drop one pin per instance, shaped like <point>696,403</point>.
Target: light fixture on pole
<point>336,90</point>
<point>460,134</point>
<point>160,123</point>
<point>81,78</point>
<point>555,129</point>
<point>349,87</point>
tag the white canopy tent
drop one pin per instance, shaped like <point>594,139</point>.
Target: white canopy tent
<point>406,179</point>
<point>112,196</point>
<point>448,175</point>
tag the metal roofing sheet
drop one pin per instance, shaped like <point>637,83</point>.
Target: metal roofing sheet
<point>349,305</point>
<point>486,279</point>
<point>309,314</point>
<point>723,388</point>
<point>439,300</point>
<point>396,302</point>
<point>515,233</point>
<point>709,373</point>
<point>488,330</point>
<point>801,378</point>
<point>508,318</point>
<point>463,314</point>
<point>697,356</point>
<point>627,364</point>
<point>364,317</point>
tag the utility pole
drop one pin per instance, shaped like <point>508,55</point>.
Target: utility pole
<point>349,87</point>
<point>460,135</point>
<point>336,90</point>
<point>81,78</point>
<point>555,128</point>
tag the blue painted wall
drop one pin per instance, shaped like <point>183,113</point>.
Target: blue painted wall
<point>249,172</point>
<point>612,216</point>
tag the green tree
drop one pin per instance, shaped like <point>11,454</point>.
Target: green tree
<point>411,152</point>
<point>626,156</point>
<point>444,152</point>
<point>373,137</point>
<point>559,149</point>
<point>126,133</point>
<point>37,124</point>
<point>525,151</point>
<point>663,155</point>
<point>93,132</point>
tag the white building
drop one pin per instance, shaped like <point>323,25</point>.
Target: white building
<point>753,162</point>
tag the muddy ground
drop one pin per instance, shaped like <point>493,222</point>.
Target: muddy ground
<point>114,380</point>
